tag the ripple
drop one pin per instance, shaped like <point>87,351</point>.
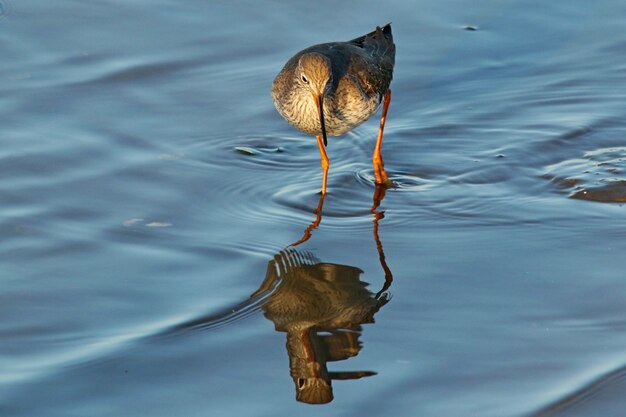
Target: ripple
<point>245,150</point>
<point>289,156</point>
<point>284,178</point>
<point>401,181</point>
<point>114,73</point>
<point>484,175</point>
<point>253,151</point>
<point>594,387</point>
<point>598,176</point>
<point>305,198</point>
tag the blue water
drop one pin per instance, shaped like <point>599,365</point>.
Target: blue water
<point>148,189</point>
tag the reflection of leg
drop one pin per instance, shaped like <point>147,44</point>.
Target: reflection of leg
<point>307,232</point>
<point>325,163</point>
<point>379,195</point>
<point>377,159</point>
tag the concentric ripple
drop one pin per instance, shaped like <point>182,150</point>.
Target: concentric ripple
<point>401,181</point>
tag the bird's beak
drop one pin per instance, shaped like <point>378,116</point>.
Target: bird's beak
<point>319,101</point>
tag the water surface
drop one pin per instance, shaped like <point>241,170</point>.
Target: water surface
<point>149,193</point>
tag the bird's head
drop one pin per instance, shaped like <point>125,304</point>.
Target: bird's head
<point>314,74</point>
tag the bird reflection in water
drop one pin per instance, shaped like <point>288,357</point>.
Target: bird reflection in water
<point>321,307</point>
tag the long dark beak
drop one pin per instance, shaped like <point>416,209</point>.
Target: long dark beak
<point>319,100</point>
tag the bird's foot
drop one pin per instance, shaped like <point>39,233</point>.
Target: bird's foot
<point>381,176</point>
<point>385,182</point>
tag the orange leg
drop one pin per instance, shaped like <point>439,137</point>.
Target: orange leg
<point>377,159</point>
<point>325,163</point>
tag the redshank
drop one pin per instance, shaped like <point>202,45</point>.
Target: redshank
<point>331,88</point>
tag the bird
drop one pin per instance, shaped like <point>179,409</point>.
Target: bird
<point>330,88</point>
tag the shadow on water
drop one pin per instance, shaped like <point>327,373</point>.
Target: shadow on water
<point>321,306</point>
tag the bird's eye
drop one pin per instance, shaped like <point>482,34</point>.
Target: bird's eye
<point>304,79</point>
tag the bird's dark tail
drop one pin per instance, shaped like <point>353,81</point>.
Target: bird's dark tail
<point>385,31</point>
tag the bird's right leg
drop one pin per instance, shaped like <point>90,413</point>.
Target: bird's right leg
<point>377,159</point>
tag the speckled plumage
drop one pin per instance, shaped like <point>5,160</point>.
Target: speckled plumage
<point>353,77</point>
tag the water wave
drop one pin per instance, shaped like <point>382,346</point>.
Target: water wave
<point>599,175</point>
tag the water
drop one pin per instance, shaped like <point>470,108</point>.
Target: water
<point>149,188</point>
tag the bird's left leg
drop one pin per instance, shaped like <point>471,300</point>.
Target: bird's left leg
<point>325,163</point>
